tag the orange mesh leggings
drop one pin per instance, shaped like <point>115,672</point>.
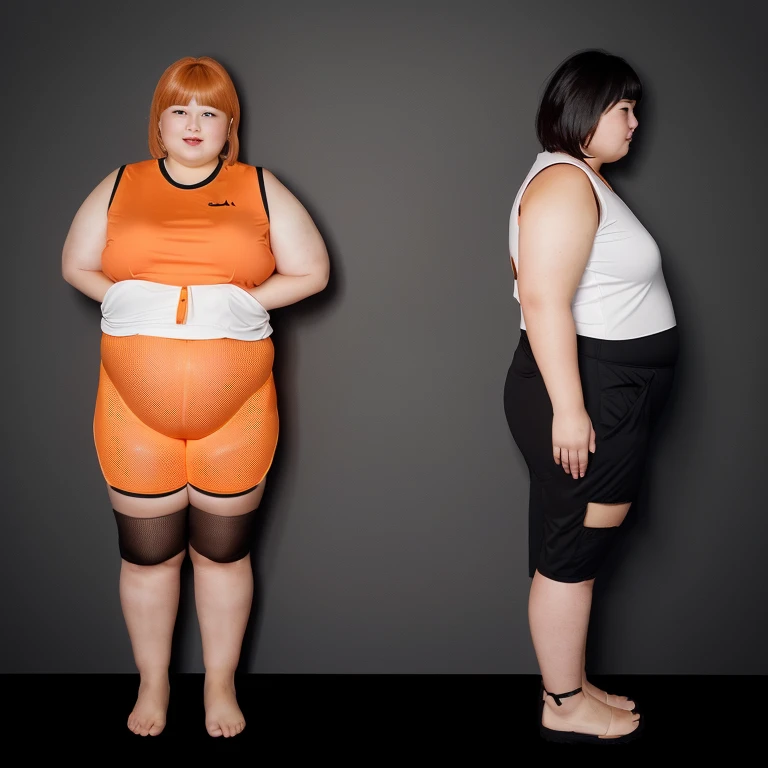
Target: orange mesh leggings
<point>171,412</point>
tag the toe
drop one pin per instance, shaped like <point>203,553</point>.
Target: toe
<point>621,702</point>
<point>635,723</point>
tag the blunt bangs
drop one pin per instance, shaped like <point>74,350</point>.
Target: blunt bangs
<point>204,80</point>
<point>580,90</point>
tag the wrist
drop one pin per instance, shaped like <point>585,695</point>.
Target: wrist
<point>256,295</point>
<point>568,408</point>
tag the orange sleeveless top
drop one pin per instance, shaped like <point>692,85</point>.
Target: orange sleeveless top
<point>216,231</point>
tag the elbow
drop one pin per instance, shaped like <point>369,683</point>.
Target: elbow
<point>535,302</point>
<point>67,273</point>
<point>69,269</point>
<point>322,278</point>
<point>530,301</point>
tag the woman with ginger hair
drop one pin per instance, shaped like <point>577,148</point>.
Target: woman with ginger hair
<point>187,253</point>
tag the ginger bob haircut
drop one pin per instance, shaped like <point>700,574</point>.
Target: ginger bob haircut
<point>204,80</point>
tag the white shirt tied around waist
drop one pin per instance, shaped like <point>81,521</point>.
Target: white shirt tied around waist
<point>222,311</point>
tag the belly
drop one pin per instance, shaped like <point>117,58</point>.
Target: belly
<point>185,389</point>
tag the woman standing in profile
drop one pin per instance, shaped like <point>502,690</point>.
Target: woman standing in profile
<point>187,253</point>
<point>589,378</point>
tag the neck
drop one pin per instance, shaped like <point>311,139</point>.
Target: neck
<point>185,174</point>
<point>594,163</point>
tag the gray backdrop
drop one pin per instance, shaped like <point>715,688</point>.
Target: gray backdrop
<point>394,536</point>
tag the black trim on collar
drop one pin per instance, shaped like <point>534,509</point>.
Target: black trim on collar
<point>164,171</point>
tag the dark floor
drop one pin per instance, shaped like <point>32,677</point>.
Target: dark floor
<point>361,720</point>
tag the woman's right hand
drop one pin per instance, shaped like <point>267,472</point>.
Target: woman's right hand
<point>573,439</point>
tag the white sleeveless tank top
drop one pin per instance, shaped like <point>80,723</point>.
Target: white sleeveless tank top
<point>622,293</point>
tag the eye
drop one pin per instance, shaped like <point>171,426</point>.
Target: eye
<point>178,112</point>
<point>212,114</point>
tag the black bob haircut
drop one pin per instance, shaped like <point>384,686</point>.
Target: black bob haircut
<point>577,93</point>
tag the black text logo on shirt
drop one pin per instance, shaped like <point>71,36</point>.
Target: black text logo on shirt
<point>217,205</point>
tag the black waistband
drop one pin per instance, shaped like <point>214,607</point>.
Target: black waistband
<point>658,350</point>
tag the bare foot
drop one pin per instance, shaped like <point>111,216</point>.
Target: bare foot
<point>148,716</point>
<point>620,702</point>
<point>583,713</point>
<point>222,715</point>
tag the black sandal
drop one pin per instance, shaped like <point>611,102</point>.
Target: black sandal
<point>571,737</point>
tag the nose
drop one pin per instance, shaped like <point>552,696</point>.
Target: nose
<point>633,121</point>
<point>192,122</point>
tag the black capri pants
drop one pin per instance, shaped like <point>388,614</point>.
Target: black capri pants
<point>625,385</point>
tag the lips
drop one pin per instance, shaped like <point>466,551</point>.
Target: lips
<point>193,142</point>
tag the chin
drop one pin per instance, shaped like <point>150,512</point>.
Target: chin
<point>193,159</point>
<point>623,152</point>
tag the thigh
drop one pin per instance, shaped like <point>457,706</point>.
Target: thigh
<point>528,410</point>
<point>661,390</point>
<point>227,506</point>
<point>134,458</point>
<point>620,404</point>
<point>151,530</point>
<point>221,528</point>
<point>148,506</point>
<point>235,458</point>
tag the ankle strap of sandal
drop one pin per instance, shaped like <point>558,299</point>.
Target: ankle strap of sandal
<point>558,696</point>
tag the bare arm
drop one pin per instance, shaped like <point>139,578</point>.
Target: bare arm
<point>557,228</point>
<point>81,255</point>
<point>301,259</point>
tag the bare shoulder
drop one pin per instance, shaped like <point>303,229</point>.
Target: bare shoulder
<point>282,202</point>
<point>561,178</point>
<point>272,183</point>
<point>560,186</point>
<point>110,178</point>
<point>99,196</point>
<point>108,182</point>
<point>92,213</point>
<point>87,232</point>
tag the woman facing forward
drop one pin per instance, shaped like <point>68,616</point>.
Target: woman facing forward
<point>187,253</point>
<point>590,376</point>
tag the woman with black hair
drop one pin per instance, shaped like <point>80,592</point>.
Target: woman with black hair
<point>590,375</point>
